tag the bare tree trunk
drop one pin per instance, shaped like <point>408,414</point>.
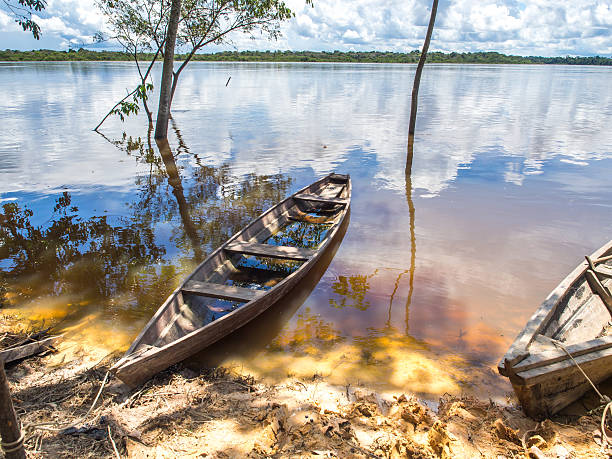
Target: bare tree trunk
<point>410,155</point>
<point>10,432</point>
<point>417,76</point>
<point>163,112</point>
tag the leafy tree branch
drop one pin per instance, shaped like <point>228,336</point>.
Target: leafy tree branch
<point>21,11</point>
<point>142,25</point>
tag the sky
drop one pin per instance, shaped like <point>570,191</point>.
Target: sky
<point>536,27</point>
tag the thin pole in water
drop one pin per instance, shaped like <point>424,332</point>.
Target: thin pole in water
<point>419,70</point>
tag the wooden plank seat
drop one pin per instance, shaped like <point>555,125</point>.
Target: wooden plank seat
<point>272,251</point>
<point>224,292</point>
<point>342,178</point>
<point>315,198</point>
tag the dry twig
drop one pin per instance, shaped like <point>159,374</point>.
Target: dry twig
<point>110,437</point>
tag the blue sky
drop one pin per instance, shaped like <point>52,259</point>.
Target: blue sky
<point>537,27</point>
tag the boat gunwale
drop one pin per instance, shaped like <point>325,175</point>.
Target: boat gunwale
<point>148,354</point>
<point>534,374</point>
<point>556,355</point>
<point>518,350</point>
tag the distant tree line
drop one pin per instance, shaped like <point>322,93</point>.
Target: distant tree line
<point>307,56</point>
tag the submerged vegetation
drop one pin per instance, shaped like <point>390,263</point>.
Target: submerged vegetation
<point>308,56</point>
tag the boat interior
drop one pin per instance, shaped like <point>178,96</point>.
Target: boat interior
<point>257,259</point>
<point>584,313</point>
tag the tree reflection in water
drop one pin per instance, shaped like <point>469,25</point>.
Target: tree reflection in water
<point>123,267</point>
<point>70,254</point>
<point>411,211</point>
<point>311,335</point>
<point>352,291</point>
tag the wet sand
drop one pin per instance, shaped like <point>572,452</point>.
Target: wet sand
<point>219,412</point>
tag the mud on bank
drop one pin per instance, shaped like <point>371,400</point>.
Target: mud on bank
<point>220,413</point>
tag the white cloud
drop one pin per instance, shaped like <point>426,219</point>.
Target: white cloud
<point>69,21</point>
<point>537,27</point>
<point>5,21</point>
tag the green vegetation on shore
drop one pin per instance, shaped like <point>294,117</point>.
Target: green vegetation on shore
<point>309,56</point>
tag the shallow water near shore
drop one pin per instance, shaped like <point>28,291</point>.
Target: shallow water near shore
<point>436,273</point>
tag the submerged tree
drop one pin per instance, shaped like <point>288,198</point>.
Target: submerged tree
<point>21,11</point>
<point>201,23</point>
<point>410,155</point>
<point>165,95</point>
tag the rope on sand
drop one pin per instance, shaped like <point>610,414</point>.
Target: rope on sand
<point>11,447</point>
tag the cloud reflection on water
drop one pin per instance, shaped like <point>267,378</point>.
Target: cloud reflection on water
<point>481,239</point>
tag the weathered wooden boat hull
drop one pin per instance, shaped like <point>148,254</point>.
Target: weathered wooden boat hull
<point>543,392</point>
<point>144,360</point>
<point>573,319</point>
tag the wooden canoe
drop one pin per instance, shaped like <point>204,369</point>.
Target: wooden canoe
<point>575,319</point>
<point>247,342</point>
<point>241,279</point>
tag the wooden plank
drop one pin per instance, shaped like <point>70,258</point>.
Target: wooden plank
<point>586,324</point>
<point>544,391</point>
<point>604,270</point>
<point>578,295</point>
<point>272,251</point>
<point>315,198</point>
<point>224,292</point>
<point>182,323</point>
<point>27,350</point>
<point>311,220</point>
<point>602,259</point>
<point>297,215</point>
<point>340,177</point>
<point>557,355</point>
<point>330,190</point>
<point>541,343</point>
<point>597,286</point>
<point>561,370</point>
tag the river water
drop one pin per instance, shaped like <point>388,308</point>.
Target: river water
<point>436,273</point>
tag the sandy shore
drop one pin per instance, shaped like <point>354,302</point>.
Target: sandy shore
<point>219,413</point>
